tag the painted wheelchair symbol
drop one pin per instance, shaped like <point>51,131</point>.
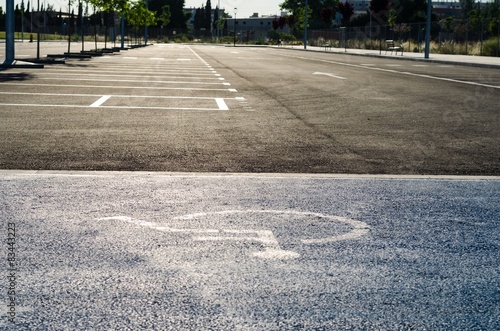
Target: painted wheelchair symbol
<point>271,246</point>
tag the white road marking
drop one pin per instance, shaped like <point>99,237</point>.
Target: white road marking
<point>116,95</point>
<point>400,72</point>
<point>183,76</point>
<point>221,103</point>
<point>157,58</point>
<point>134,81</point>
<point>272,249</point>
<point>393,65</point>
<point>358,228</point>
<point>129,57</point>
<point>107,107</point>
<point>327,74</point>
<point>419,65</point>
<point>183,59</point>
<point>121,87</point>
<point>368,64</point>
<point>102,100</point>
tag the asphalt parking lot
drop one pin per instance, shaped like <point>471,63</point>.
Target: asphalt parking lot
<point>224,109</point>
<point>202,187</point>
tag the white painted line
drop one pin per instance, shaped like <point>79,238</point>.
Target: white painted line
<point>217,75</point>
<point>272,249</point>
<point>358,228</point>
<point>227,84</point>
<point>183,59</point>
<point>157,58</point>
<point>393,65</point>
<point>327,74</point>
<point>121,87</point>
<point>116,95</point>
<point>368,64</point>
<point>221,103</point>
<point>102,100</point>
<point>130,58</point>
<point>402,73</point>
<point>221,78</point>
<point>135,81</point>
<point>107,107</point>
<point>419,65</point>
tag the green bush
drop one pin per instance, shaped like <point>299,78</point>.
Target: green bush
<point>490,47</point>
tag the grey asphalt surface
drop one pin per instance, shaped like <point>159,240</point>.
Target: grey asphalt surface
<point>116,251</point>
<point>224,109</point>
<point>210,244</point>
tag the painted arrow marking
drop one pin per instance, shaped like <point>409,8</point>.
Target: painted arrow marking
<point>327,74</point>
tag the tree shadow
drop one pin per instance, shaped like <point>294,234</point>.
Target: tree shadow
<point>7,77</point>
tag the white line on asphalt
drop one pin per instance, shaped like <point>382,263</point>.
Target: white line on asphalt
<point>157,58</point>
<point>272,249</point>
<point>221,103</point>
<point>129,57</point>
<point>400,72</point>
<point>327,74</point>
<point>187,76</point>
<point>122,87</point>
<point>291,176</point>
<point>102,100</point>
<point>135,81</point>
<point>117,96</point>
<point>107,107</point>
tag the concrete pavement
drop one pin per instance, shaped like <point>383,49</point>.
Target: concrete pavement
<point>478,61</point>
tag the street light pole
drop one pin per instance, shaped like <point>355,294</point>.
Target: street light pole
<point>428,29</point>
<point>305,25</point>
<point>218,20</point>
<point>234,38</point>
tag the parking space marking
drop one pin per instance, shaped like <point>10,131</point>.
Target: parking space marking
<point>122,87</point>
<point>221,103</point>
<point>101,100</point>
<point>135,81</point>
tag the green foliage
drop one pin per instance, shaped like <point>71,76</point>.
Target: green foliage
<point>491,47</point>
<point>165,15</point>
<point>139,16</point>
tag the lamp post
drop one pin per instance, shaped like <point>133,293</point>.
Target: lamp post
<point>428,30</point>
<point>218,20</point>
<point>234,37</point>
<point>305,25</point>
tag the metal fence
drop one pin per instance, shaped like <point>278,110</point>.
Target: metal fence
<point>447,36</point>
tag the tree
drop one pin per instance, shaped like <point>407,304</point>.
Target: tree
<point>314,11</point>
<point>346,10</point>
<point>138,15</point>
<point>208,18</point>
<point>377,6</point>
<point>165,15</point>
<point>327,15</point>
<point>178,18</point>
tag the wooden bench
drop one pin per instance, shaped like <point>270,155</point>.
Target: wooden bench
<point>391,45</point>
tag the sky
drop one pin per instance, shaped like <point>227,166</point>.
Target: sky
<point>245,7</point>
